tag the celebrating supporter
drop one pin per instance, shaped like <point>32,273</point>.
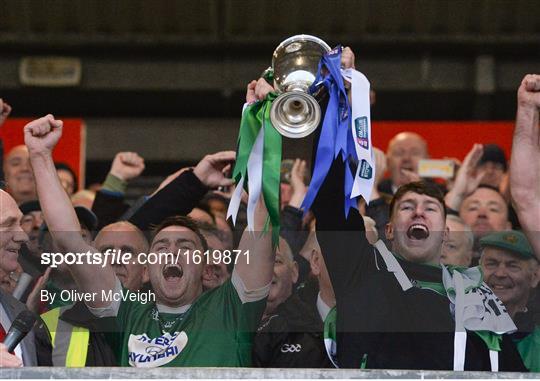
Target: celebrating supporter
<point>394,307</point>
<point>109,204</point>
<point>493,164</point>
<point>403,154</point>
<point>78,338</point>
<point>525,185</point>
<point>18,175</point>
<point>124,237</point>
<point>481,207</point>
<point>485,211</point>
<point>182,323</point>
<point>511,270</point>
<point>525,160</point>
<point>291,332</point>
<point>12,236</point>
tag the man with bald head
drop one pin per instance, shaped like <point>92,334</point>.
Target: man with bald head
<point>290,333</point>
<point>125,237</point>
<point>18,174</point>
<point>404,151</point>
<point>12,236</point>
<point>457,250</point>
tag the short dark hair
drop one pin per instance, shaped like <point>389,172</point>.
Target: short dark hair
<point>494,189</point>
<point>183,221</point>
<point>419,187</point>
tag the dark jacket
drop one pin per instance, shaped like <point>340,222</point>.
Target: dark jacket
<point>292,337</point>
<point>294,233</point>
<point>378,210</point>
<point>108,207</point>
<point>177,198</point>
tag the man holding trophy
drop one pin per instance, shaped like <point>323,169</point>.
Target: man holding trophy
<point>397,308</point>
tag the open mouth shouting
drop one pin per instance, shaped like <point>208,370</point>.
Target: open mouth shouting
<point>418,232</point>
<point>172,272</point>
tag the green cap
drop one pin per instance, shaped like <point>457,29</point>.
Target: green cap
<point>510,240</point>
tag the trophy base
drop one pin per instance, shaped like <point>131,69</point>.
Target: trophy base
<point>295,114</point>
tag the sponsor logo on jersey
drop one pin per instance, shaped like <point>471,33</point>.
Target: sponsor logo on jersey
<point>146,352</point>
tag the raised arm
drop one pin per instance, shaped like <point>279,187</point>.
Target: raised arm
<point>41,136</point>
<point>183,193</point>
<point>468,178</point>
<point>256,269</point>
<point>525,160</point>
<point>109,204</point>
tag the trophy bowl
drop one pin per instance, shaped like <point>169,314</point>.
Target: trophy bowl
<point>295,113</point>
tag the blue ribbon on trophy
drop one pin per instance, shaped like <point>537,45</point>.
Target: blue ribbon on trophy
<point>339,135</point>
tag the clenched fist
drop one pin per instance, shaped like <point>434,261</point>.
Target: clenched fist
<point>42,135</point>
<point>529,91</point>
<point>127,165</point>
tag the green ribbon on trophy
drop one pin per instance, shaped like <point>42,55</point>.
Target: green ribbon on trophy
<point>258,164</point>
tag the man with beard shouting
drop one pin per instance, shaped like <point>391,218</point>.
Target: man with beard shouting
<point>184,326</point>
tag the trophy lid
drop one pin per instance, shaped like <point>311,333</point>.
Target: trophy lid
<point>296,61</point>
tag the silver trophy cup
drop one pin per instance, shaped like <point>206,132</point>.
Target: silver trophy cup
<point>295,113</point>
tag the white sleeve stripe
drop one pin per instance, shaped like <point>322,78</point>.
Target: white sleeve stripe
<point>112,309</point>
<point>245,295</point>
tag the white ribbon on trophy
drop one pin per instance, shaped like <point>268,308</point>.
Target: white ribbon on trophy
<point>361,132</point>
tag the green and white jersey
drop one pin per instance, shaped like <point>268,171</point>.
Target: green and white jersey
<point>215,331</point>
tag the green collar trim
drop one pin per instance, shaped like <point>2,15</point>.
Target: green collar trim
<point>492,340</point>
<point>433,286</point>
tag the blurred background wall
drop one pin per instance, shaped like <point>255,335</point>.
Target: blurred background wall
<point>167,78</point>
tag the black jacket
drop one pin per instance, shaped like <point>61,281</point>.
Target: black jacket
<point>177,198</point>
<point>108,207</point>
<point>295,234</point>
<point>292,337</point>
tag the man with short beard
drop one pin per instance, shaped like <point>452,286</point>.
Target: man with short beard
<point>183,323</point>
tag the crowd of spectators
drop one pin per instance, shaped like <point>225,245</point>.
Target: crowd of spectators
<point>428,274</point>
